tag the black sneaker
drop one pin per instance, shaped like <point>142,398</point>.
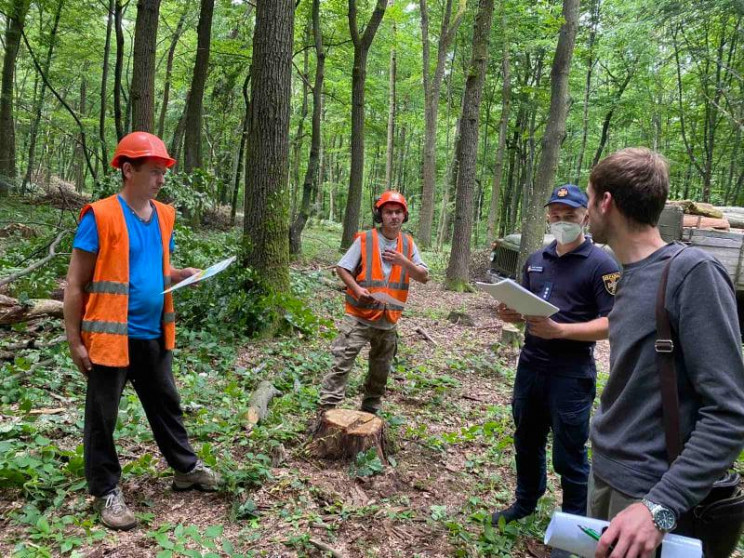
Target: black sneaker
<point>513,513</point>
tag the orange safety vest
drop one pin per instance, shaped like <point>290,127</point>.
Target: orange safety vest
<point>371,277</point>
<point>104,328</point>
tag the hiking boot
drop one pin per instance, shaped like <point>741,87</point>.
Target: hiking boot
<point>512,513</point>
<point>200,477</point>
<point>114,511</point>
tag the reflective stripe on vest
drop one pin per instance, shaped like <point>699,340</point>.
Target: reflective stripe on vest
<point>114,328</point>
<point>107,287</point>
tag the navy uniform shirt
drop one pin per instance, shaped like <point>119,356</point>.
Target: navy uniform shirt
<point>582,284</point>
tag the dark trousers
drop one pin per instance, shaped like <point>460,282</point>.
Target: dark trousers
<point>150,372</point>
<point>544,402</point>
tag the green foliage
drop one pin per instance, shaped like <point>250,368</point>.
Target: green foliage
<point>366,464</point>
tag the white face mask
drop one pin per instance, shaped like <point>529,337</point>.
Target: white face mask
<point>565,232</point>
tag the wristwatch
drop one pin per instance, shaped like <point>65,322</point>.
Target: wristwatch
<point>663,517</point>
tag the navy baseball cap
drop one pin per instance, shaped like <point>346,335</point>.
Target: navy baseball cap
<point>568,194</point>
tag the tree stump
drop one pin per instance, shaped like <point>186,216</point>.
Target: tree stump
<point>511,336</point>
<point>342,434</point>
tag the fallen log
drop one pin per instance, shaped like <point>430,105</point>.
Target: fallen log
<point>258,406</point>
<point>325,548</point>
<point>12,311</point>
<point>343,433</point>
<point>52,253</point>
<point>423,333</point>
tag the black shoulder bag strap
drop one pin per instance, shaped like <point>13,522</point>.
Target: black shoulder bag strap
<point>667,373</point>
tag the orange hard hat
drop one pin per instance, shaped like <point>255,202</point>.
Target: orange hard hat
<point>141,144</point>
<point>391,197</point>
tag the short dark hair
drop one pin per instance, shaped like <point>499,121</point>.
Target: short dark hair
<point>136,163</point>
<point>638,180</point>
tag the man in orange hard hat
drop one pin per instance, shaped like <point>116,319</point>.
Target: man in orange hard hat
<point>121,327</point>
<point>376,271</point>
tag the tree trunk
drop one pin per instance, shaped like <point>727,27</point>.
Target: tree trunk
<point>121,131</point>
<point>588,86</point>
<point>459,263</point>
<point>555,131</point>
<point>80,154</point>
<point>104,85</point>
<point>391,119</point>
<point>192,153</point>
<point>39,105</point>
<point>610,112</point>
<point>358,79</point>
<point>299,137</point>
<point>169,73</point>
<point>266,222</point>
<point>311,174</point>
<point>142,92</point>
<point>15,22</point>
<point>432,86</point>
<point>498,169</point>
<point>241,148</point>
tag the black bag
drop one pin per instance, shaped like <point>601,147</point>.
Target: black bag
<point>717,520</point>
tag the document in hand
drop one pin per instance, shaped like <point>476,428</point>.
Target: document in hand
<point>385,298</point>
<point>516,297</point>
<point>203,274</point>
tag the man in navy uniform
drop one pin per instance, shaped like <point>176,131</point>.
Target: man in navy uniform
<point>556,375</point>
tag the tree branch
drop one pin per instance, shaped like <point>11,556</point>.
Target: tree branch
<point>37,264</point>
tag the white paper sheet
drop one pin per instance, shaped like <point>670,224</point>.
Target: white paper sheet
<point>565,532</point>
<point>516,297</point>
<point>387,299</point>
<point>203,274</point>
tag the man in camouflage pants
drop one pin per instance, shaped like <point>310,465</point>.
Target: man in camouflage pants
<point>376,271</point>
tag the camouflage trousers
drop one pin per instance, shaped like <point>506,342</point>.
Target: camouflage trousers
<point>353,336</point>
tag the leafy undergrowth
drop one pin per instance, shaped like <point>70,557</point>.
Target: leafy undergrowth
<point>447,408</point>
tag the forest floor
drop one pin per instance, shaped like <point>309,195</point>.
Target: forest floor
<point>447,407</point>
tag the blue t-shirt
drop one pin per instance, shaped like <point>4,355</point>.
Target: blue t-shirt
<point>145,268</point>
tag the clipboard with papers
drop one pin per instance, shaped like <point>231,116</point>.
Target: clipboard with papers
<point>516,297</point>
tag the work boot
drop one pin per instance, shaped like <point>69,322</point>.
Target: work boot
<point>114,511</point>
<point>512,513</point>
<point>200,477</point>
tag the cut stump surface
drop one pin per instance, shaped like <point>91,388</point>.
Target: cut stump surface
<point>343,433</point>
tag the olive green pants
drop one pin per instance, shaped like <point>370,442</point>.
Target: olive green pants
<point>353,336</point>
<point>603,501</point>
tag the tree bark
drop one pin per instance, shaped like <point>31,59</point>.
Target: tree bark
<point>498,169</point>
<point>432,86</point>
<point>311,173</point>
<point>266,223</point>
<point>15,22</point>
<point>241,148</point>
<point>300,135</point>
<point>391,119</point>
<point>358,78</point>
<point>119,68</point>
<point>104,85</point>
<point>169,73</point>
<point>596,6</point>
<point>467,152</point>
<point>39,105</point>
<point>142,91</point>
<point>192,151</point>
<point>555,130</point>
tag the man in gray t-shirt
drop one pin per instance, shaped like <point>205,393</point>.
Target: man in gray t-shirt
<point>631,483</point>
<point>376,271</point>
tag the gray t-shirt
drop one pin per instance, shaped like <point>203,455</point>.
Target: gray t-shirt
<point>353,257</point>
<point>628,442</point>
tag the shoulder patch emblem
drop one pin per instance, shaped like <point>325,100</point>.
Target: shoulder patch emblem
<point>610,282</point>
<point>562,193</point>
<point>534,269</point>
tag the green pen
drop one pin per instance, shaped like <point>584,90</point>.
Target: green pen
<point>591,532</point>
